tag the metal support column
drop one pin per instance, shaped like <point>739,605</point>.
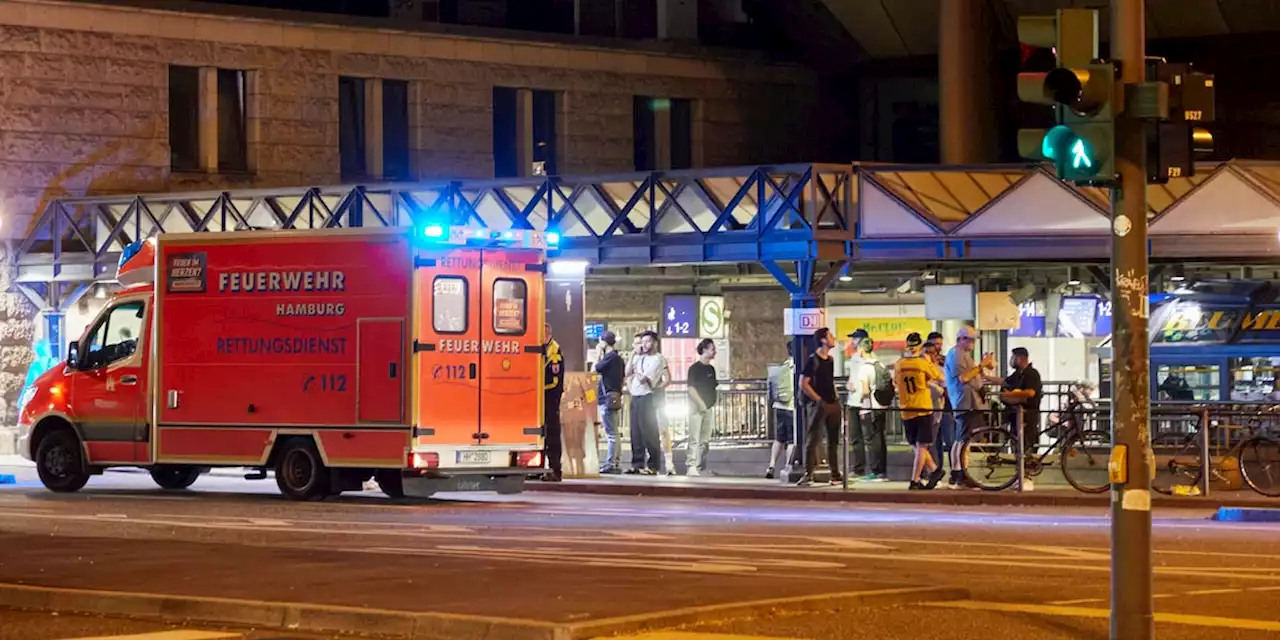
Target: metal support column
<point>1131,567</point>
<point>55,325</point>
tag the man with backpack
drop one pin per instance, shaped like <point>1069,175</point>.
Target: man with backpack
<point>871,391</point>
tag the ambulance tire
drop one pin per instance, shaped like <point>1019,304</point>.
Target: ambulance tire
<point>175,477</point>
<point>60,462</point>
<point>300,473</point>
<point>390,482</point>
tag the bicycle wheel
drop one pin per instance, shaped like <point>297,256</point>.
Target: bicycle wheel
<point>990,458</point>
<point>1085,455</point>
<point>1177,462</point>
<point>1259,460</point>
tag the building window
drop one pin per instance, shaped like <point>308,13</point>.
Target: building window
<point>184,118</point>
<point>512,145</point>
<point>233,143</point>
<point>395,130</point>
<point>544,132</point>
<point>351,128</point>
<point>657,147</point>
<point>505,148</point>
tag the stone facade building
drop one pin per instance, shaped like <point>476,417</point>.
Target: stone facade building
<point>110,98</point>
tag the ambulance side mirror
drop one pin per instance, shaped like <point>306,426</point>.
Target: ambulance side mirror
<point>73,355</point>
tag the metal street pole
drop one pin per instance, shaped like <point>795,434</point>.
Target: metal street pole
<point>1131,582</point>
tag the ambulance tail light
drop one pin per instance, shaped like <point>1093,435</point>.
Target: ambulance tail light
<point>424,461</point>
<point>529,459</point>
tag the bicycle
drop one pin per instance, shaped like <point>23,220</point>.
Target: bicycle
<point>1256,456</point>
<point>1082,453</point>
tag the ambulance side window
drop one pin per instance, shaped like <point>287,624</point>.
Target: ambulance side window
<point>510,304</point>
<point>116,336</point>
<point>449,304</point>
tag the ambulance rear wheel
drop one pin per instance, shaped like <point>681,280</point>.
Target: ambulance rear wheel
<point>300,473</point>
<point>60,462</point>
<point>175,477</point>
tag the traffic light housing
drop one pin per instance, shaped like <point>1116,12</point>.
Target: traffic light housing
<point>1174,144</point>
<point>1082,91</point>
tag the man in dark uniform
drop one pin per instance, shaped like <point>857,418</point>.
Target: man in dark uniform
<point>552,389</point>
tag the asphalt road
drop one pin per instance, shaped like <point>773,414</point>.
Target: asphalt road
<point>1041,573</point>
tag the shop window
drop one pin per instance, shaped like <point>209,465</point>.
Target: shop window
<point>449,304</point>
<point>1192,382</point>
<point>510,306</point>
<point>545,149</point>
<point>505,151</point>
<point>1254,379</point>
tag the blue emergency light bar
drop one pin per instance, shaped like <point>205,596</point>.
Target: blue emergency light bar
<point>516,238</point>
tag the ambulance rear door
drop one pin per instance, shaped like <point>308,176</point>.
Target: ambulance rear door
<point>511,346</point>
<point>447,346</point>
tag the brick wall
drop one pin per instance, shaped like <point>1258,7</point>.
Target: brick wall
<point>83,101</point>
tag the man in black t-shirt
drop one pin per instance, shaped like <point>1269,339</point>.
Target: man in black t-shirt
<point>818,394</point>
<point>702,399</point>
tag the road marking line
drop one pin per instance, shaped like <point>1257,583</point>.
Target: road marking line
<point>1075,554</point>
<point>684,635</point>
<point>1061,603</point>
<point>1263,589</point>
<point>850,543</point>
<point>1211,592</point>
<point>173,635</point>
<point>1080,612</point>
<point>636,535</point>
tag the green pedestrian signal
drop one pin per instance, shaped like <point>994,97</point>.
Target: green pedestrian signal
<point>1074,157</point>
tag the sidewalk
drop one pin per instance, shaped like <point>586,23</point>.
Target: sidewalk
<point>723,488</point>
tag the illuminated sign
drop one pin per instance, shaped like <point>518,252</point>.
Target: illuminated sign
<point>1031,323</point>
<point>678,313</point>
<point>1189,322</point>
<point>889,333</point>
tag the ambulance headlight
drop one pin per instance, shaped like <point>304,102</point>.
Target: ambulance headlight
<point>433,231</point>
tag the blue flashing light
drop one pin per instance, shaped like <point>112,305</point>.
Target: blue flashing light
<point>433,231</point>
<point>553,237</point>
<point>508,235</point>
<point>130,251</point>
<point>482,233</point>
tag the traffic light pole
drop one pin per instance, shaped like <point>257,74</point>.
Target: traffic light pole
<point>1131,574</point>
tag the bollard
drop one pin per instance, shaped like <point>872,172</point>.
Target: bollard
<point>844,448</point>
<point>1206,456</point>
<point>1019,452</point>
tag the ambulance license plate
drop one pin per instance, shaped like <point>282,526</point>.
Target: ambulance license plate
<point>473,457</point>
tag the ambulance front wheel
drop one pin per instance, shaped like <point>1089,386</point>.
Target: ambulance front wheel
<point>300,473</point>
<point>60,462</point>
<point>175,477</point>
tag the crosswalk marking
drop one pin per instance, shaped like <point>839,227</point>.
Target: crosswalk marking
<point>182,634</point>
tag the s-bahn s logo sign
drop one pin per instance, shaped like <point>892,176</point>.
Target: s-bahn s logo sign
<point>711,320</point>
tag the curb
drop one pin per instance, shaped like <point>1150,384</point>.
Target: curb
<point>429,626</point>
<point>276,615</point>
<point>950,498</point>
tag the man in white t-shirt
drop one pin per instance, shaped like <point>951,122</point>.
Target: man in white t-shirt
<point>866,416</point>
<point>647,378</point>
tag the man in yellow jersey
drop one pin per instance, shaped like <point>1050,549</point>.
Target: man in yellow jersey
<point>914,378</point>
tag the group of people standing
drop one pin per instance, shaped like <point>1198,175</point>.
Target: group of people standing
<point>641,381</point>
<point>941,400</point>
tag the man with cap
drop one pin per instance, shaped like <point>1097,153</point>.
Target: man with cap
<point>1022,391</point>
<point>612,371</point>
<point>915,377</point>
<point>965,382</point>
<point>867,418</point>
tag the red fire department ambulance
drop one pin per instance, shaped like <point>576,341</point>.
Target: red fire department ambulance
<point>410,356</point>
